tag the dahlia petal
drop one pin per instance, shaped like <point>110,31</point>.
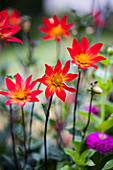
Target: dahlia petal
<point>45,80</point>
<point>13,39</point>
<point>84,45</point>
<point>66,34</point>
<point>66,68</point>
<point>71,53</point>
<point>56,21</point>
<point>94,50</point>
<point>76,46</point>
<point>58,67</point>
<point>32,99</point>
<point>19,81</point>
<point>47,23</point>
<point>31,86</point>
<point>61,93</point>
<point>34,93</point>
<point>10,85</point>
<point>4,18</point>
<point>43,29</point>
<point>69,77</point>
<point>11,101</point>
<point>10,30</point>
<point>96,59</point>
<point>27,82</point>
<point>48,70</point>
<point>67,27</point>
<point>63,20</point>
<point>58,38</point>
<point>21,102</point>
<point>48,37</point>
<point>95,66</point>
<point>68,88</point>
<point>5,93</point>
<point>49,91</point>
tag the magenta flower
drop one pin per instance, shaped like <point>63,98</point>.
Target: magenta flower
<point>100,141</point>
<point>94,109</point>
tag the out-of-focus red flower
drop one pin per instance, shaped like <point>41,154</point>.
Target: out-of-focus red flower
<point>98,19</point>
<point>84,56</point>
<point>70,98</point>
<point>56,28</point>
<point>6,31</point>
<point>14,17</point>
<point>54,80</point>
<point>20,92</point>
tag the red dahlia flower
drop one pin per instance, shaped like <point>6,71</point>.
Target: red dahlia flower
<point>54,80</point>
<point>6,30</point>
<point>14,17</point>
<point>84,56</point>
<point>20,93</point>
<point>56,28</point>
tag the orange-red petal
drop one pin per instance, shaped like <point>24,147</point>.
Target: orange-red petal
<point>69,77</point>
<point>84,45</point>
<point>61,93</point>
<point>27,82</point>
<point>68,88</point>
<point>13,39</point>
<point>4,18</point>
<point>35,93</point>
<point>66,68</point>
<point>5,93</point>
<point>94,50</point>
<point>48,70</point>
<point>19,81</point>
<point>49,91</point>
<point>58,67</point>
<point>10,85</point>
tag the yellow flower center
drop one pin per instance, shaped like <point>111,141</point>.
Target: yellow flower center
<point>103,136</point>
<point>56,80</point>
<point>57,31</point>
<point>82,59</point>
<point>21,95</point>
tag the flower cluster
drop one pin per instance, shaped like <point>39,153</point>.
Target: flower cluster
<point>6,31</point>
<point>100,141</point>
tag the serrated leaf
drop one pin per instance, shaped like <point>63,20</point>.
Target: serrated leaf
<point>77,146</point>
<point>74,155</point>
<point>90,163</point>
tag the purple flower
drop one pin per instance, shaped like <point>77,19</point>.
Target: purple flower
<point>100,141</point>
<point>94,110</point>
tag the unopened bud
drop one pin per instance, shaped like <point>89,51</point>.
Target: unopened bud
<point>96,89</point>
<point>110,50</point>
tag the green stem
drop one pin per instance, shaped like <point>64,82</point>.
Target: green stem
<point>45,132</point>
<point>58,50</point>
<point>103,97</point>
<point>89,115</point>
<point>13,139</point>
<point>75,107</point>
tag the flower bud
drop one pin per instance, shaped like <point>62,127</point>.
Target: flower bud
<point>96,89</point>
<point>110,50</point>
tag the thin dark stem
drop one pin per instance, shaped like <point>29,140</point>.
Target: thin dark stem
<point>74,113</point>
<point>13,139</point>
<point>45,132</point>
<point>23,122</point>
<point>58,49</point>
<point>89,115</point>
<point>31,120</point>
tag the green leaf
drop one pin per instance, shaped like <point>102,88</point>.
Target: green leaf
<point>108,165</point>
<point>105,125</point>
<point>44,109</point>
<point>67,167</point>
<point>77,146</point>
<point>107,86</point>
<point>90,163</point>
<point>87,154</point>
<point>38,117</point>
<point>8,159</point>
<point>74,155</point>
<point>85,114</point>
